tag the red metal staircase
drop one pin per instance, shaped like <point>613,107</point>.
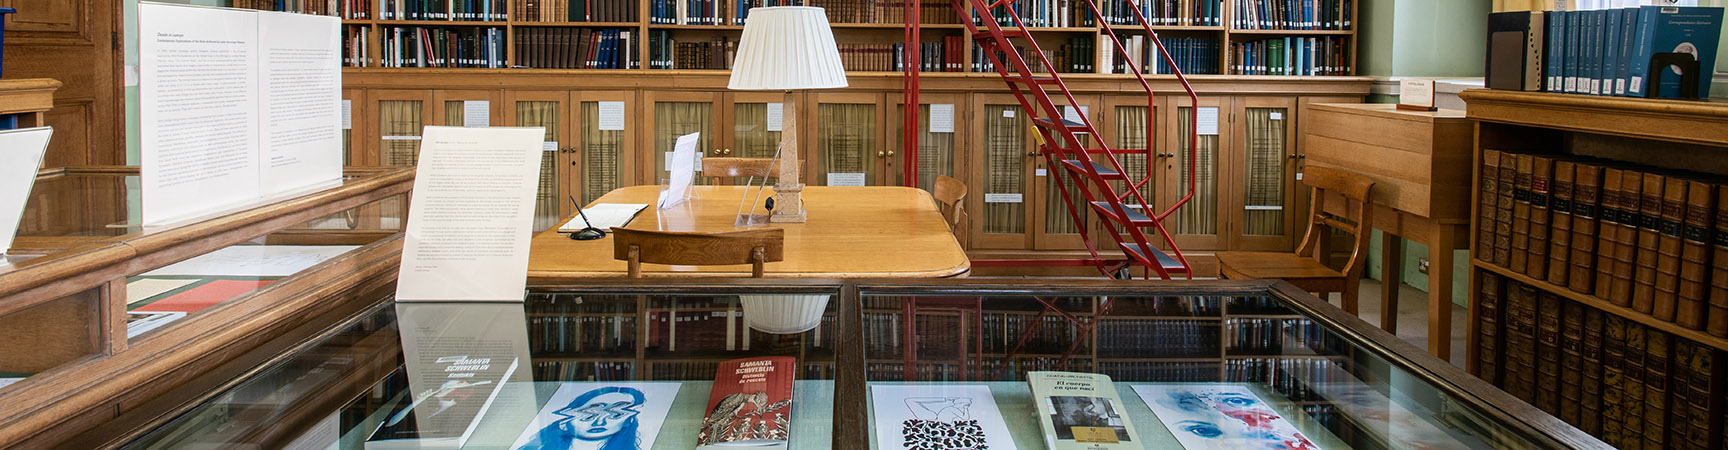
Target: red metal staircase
<point>1095,171</point>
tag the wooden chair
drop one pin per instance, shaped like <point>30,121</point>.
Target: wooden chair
<point>738,167</point>
<point>951,194</point>
<point>755,247</point>
<point>1306,268</point>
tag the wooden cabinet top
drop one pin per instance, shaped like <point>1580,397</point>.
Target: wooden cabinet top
<point>1419,160</point>
<point>27,95</point>
<point>1690,121</point>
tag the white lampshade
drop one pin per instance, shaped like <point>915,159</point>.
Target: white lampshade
<point>786,48</point>
<point>783,314</point>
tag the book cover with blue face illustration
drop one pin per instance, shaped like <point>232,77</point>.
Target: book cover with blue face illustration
<point>1216,415</point>
<point>600,416</point>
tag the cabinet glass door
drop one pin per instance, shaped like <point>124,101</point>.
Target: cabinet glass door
<point>755,121</point>
<point>353,118</point>
<point>468,108</point>
<point>936,144</point>
<point>998,205</point>
<point>546,110</point>
<point>849,148</point>
<point>676,114</point>
<point>1127,126</point>
<point>602,153</point>
<point>1267,155</point>
<point>1198,224</point>
<point>401,117</point>
<point>1056,226</point>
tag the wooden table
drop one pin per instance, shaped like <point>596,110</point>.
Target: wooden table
<point>1420,163</point>
<point>852,232</point>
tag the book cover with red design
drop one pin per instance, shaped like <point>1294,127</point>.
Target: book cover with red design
<point>750,405</point>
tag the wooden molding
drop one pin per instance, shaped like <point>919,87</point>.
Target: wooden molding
<point>1695,122</point>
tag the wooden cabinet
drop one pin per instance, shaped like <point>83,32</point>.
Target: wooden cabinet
<point>939,152</point>
<point>400,117</point>
<point>1263,183</point>
<point>850,145</point>
<point>1202,222</point>
<point>671,114</point>
<point>604,157</point>
<point>549,110</point>
<point>999,181</point>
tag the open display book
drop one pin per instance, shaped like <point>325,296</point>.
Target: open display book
<point>948,364</point>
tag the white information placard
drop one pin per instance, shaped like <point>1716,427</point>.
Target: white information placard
<point>347,114</point>
<point>611,116</point>
<point>942,118</point>
<point>472,213</point>
<point>846,179</point>
<point>776,116</point>
<point>235,106</point>
<point>683,168</point>
<point>1002,198</point>
<point>20,155</point>
<point>476,113</point>
<point>1207,123</point>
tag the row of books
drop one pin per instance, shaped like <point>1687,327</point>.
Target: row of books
<point>346,9</point>
<point>1610,51</point>
<point>682,370</point>
<point>669,53</point>
<point>1275,336</point>
<point>1319,55</point>
<point>1294,378</point>
<point>1630,385</point>
<point>1040,13</point>
<point>1128,338</point>
<point>1074,55</point>
<point>356,47</point>
<point>442,47</point>
<point>941,56</point>
<point>584,371</point>
<point>885,11</point>
<point>460,10</point>
<point>925,372</point>
<point>1186,306</point>
<point>1160,371</point>
<point>691,12</point>
<point>1199,13</point>
<point>1291,15</point>
<point>1051,334</point>
<point>1256,305</point>
<point>582,334</point>
<point>569,304</point>
<point>1192,55</point>
<point>575,11</point>
<point>1650,240</point>
<point>576,48</point>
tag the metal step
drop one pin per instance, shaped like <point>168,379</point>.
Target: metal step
<point>1135,216</point>
<point>1164,260</point>
<point>1104,171</point>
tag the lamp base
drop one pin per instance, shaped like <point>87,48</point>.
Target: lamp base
<point>788,204</point>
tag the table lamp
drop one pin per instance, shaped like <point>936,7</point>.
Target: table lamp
<point>787,48</point>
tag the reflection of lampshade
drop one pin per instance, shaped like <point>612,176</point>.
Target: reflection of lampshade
<point>786,48</point>
<point>783,314</point>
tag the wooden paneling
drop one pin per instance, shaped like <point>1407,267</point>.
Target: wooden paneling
<point>38,338</point>
<point>1420,161</point>
<point>77,43</point>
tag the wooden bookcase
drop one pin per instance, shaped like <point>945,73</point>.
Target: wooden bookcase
<point>389,105</point>
<point>1676,139</point>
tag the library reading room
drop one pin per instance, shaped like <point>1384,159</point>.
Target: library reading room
<point>863,224</point>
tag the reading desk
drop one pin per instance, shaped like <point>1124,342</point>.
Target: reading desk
<point>852,232</point>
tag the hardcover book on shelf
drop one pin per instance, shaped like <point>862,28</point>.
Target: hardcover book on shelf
<point>1548,354</point>
<point>1649,238</point>
<point>1541,192</point>
<point>1717,324</point>
<point>1613,379</point>
<point>1522,174</point>
<point>1686,33</point>
<point>1490,329</point>
<point>1213,415</point>
<point>1586,212</point>
<point>1668,225</point>
<point>1591,389</point>
<point>1693,292</point>
<point>1081,411</point>
<point>1488,199</point>
<point>600,416</point>
<point>1503,209</point>
<point>750,404</point>
<point>1560,223</point>
<point>939,416</point>
<point>1626,239</point>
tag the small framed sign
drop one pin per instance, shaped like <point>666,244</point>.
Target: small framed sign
<point>1416,95</point>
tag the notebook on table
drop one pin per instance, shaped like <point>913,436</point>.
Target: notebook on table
<point>604,216</point>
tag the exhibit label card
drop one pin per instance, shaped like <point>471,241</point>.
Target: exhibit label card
<point>471,215</point>
<point>20,155</point>
<point>583,416</point>
<point>917,416</point>
<point>235,106</point>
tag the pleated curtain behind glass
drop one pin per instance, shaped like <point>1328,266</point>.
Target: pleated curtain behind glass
<point>600,150</point>
<point>674,119</point>
<point>546,201</point>
<point>1264,199</point>
<point>1003,167</point>
<point>846,138</point>
<point>1200,216</point>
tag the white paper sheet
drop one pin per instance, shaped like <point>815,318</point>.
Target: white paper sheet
<point>611,116</point>
<point>143,288</point>
<point>253,261</point>
<point>582,416</point>
<point>472,214</point>
<point>20,155</point>
<point>683,171</point>
<point>604,216</point>
<point>942,118</point>
<point>476,113</point>
<point>1207,123</point>
<point>198,110</point>
<point>923,413</point>
<point>1002,198</point>
<point>776,115</point>
<point>300,99</point>
<point>1072,115</point>
<point>347,114</point>
<point>846,179</point>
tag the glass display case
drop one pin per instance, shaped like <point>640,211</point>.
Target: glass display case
<point>885,365</point>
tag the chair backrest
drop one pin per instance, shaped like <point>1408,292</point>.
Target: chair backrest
<point>951,193</point>
<point>753,247</point>
<point>738,167</point>
<point>1357,213</point>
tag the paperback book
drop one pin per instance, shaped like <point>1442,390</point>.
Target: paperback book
<point>1212,415</point>
<point>593,416</point>
<point>750,405</point>
<point>1081,411</point>
<point>938,417</point>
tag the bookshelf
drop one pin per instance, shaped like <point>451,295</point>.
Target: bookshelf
<point>1579,292</point>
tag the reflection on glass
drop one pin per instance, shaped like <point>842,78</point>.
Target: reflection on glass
<point>1131,134</point>
<point>1263,200</point>
<point>935,150</point>
<point>399,123</point>
<point>1200,215</point>
<point>601,172</point>
<point>1004,169</point>
<point>546,198</point>
<point>846,143</point>
<point>673,119</point>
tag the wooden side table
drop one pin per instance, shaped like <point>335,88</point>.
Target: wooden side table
<point>1420,163</point>
<point>29,98</point>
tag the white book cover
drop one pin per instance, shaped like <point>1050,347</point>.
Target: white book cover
<point>1081,411</point>
<point>1213,415</point>
<point>938,416</point>
<point>596,416</point>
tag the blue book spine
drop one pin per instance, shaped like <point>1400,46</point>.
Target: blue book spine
<point>1628,35</point>
<point>1639,67</point>
<point>1574,23</point>
<point>1692,30</point>
<point>1593,58</point>
<point>1551,51</point>
<point>1610,50</point>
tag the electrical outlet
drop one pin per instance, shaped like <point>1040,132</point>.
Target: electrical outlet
<point>1422,265</point>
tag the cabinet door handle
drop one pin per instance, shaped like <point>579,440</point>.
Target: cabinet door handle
<point>1291,156</point>
<point>890,153</point>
